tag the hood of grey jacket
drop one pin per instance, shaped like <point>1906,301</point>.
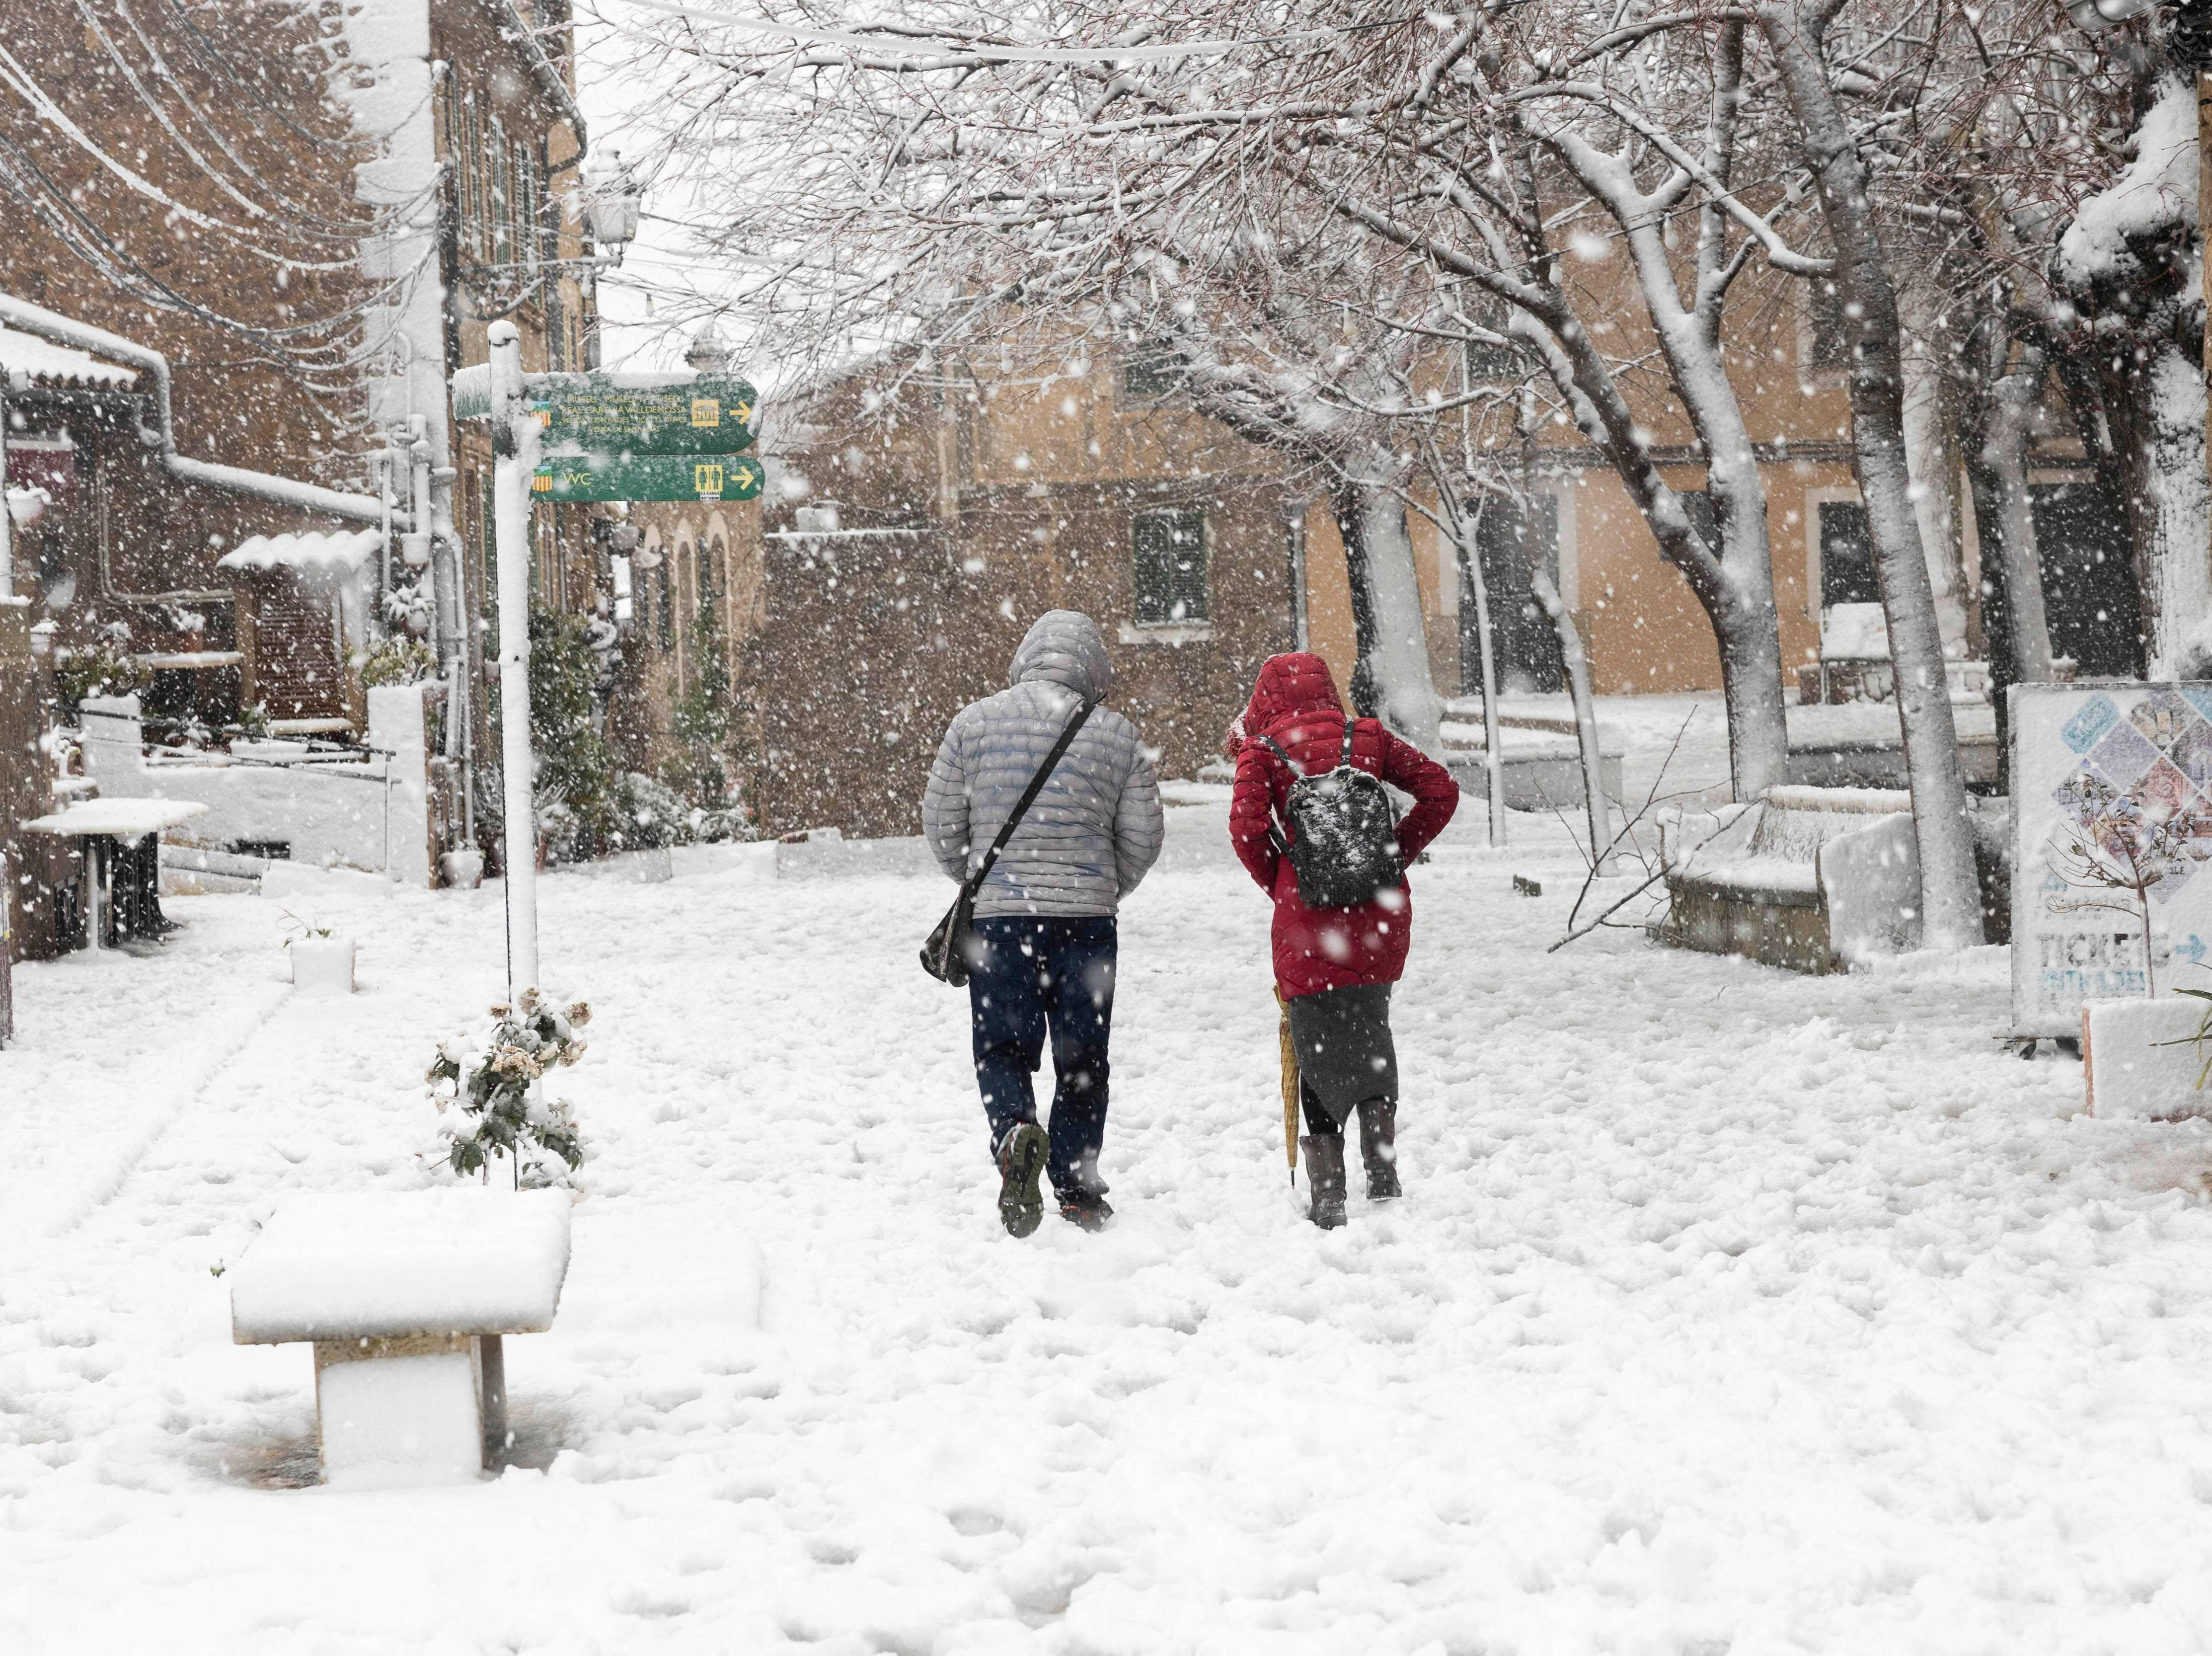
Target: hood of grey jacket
<point>1064,646</point>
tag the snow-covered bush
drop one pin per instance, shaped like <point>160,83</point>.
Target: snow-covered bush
<point>575,776</point>
<point>705,723</point>
<point>409,608</point>
<point>649,814</point>
<point>398,661</point>
<point>484,1099</point>
<point>104,669</point>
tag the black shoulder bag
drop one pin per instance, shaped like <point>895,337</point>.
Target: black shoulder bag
<point>946,955</point>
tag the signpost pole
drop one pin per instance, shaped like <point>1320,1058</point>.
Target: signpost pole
<point>515,444</point>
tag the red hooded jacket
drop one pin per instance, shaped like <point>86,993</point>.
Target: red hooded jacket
<point>1295,703</point>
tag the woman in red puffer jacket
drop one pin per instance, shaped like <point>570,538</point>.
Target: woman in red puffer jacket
<point>1334,967</point>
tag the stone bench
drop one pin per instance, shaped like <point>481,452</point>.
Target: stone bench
<point>407,1297</point>
<point>1811,879</point>
<point>1543,765</point>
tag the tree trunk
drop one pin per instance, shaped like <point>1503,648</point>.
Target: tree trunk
<point>2014,626</point>
<point>1951,909</point>
<point>2176,579</point>
<point>1928,454</point>
<point>1493,751</point>
<point>1393,681</point>
<point>2009,527</point>
<point>1748,629</point>
<point>1348,507</point>
<point>1737,593</point>
<point>1733,581</point>
<point>1597,809</point>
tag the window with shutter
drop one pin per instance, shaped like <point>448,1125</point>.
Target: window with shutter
<point>1486,360</point>
<point>1847,572</point>
<point>503,195</point>
<point>1697,507</point>
<point>1151,372</point>
<point>1829,342</point>
<point>1169,552</point>
<point>490,546</point>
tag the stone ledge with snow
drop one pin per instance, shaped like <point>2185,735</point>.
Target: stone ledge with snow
<point>388,1264</point>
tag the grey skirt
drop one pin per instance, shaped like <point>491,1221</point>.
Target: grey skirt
<point>1346,1055</point>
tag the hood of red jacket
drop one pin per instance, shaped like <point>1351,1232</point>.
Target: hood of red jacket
<point>1288,685</point>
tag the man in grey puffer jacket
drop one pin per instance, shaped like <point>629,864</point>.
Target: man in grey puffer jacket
<point>1044,919</point>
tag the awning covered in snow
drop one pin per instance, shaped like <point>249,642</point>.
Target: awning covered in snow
<point>29,361</point>
<point>316,553</point>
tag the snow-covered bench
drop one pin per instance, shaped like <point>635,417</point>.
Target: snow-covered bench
<point>406,1297</point>
<point>1808,877</point>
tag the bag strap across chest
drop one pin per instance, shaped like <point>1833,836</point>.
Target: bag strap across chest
<point>1029,798</point>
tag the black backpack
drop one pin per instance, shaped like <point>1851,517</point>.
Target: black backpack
<point>1345,846</point>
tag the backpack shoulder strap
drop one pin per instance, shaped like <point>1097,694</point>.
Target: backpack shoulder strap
<point>1279,828</point>
<point>1344,759</point>
<point>1270,742</point>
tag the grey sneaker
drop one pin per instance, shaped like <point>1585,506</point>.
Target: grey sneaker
<point>1021,1164</point>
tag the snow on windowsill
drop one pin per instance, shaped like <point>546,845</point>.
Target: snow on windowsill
<point>1166,632</point>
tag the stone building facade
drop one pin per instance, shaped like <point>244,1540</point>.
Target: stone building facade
<point>894,562</point>
<point>886,578</point>
<point>249,243</point>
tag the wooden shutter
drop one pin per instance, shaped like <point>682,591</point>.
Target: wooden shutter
<point>1169,553</point>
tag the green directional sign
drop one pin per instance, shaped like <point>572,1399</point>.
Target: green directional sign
<point>564,477</point>
<point>626,413</point>
<point>642,414</point>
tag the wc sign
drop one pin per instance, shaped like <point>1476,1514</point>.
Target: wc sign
<point>564,477</point>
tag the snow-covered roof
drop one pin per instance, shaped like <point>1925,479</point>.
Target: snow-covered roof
<point>313,553</point>
<point>28,360</point>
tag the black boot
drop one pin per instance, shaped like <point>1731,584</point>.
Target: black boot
<point>1325,1180</point>
<point>1378,1148</point>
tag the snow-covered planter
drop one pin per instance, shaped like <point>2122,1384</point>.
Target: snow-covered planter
<point>487,1101</point>
<point>2145,1060</point>
<point>322,960</point>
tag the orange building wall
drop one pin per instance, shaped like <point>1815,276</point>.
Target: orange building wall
<point>1330,633</point>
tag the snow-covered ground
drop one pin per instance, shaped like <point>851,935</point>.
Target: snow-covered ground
<point>1727,1311</point>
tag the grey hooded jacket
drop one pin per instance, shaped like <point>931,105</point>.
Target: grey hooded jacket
<point>1095,828</point>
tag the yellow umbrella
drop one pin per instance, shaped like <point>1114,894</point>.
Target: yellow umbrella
<point>1290,1090</point>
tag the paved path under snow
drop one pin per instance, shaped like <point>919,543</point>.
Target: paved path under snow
<point>1727,1311</point>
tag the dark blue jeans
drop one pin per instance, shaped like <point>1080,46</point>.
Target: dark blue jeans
<point>1028,976</point>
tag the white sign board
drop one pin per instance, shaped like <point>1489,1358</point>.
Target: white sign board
<point>2106,778</point>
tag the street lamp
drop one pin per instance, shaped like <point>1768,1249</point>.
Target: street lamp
<point>613,205</point>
